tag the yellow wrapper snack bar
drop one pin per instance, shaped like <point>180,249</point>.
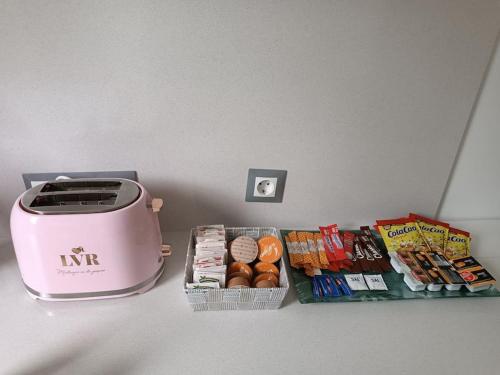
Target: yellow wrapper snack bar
<point>323,260</point>
<point>313,250</point>
<point>297,249</point>
<point>457,244</point>
<point>434,232</point>
<point>307,256</point>
<point>291,252</point>
<point>401,234</point>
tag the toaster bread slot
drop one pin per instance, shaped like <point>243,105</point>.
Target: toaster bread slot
<point>81,199</point>
<point>82,196</point>
<point>80,185</point>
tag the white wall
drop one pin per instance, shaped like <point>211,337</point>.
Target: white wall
<point>363,102</point>
<point>474,187</point>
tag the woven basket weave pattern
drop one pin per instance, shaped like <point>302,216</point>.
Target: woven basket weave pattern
<point>236,299</point>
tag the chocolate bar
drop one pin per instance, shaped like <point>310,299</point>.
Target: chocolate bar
<point>371,261</point>
<point>360,256</point>
<point>349,249</point>
<point>369,242</point>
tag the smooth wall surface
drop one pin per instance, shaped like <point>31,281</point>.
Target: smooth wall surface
<point>473,191</point>
<point>364,103</point>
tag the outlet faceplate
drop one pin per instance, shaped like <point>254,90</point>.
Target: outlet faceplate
<point>265,185</point>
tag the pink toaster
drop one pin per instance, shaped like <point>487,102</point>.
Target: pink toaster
<point>87,239</point>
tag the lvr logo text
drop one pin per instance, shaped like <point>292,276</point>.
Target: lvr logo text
<point>77,259</point>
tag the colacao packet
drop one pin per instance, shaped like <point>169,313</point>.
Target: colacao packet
<point>457,244</point>
<point>434,232</point>
<point>401,234</point>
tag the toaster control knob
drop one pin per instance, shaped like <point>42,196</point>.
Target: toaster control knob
<point>156,204</point>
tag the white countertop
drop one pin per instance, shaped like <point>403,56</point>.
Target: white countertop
<point>157,333</point>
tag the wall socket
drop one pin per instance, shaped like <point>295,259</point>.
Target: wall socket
<point>33,179</point>
<point>265,185</point>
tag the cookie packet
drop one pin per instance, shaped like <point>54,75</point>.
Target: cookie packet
<point>434,232</point>
<point>401,234</point>
<point>457,244</point>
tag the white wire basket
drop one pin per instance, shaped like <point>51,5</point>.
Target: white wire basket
<point>236,299</point>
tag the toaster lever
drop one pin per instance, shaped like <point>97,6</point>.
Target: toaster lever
<point>166,250</point>
<point>156,204</point>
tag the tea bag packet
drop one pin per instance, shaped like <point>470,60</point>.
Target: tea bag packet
<point>323,260</point>
<point>205,285</point>
<point>210,233</point>
<point>401,234</point>
<point>206,276</point>
<point>457,244</point>
<point>434,232</point>
<point>210,259</point>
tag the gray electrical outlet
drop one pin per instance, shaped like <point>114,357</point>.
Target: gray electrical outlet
<point>33,179</point>
<point>265,185</point>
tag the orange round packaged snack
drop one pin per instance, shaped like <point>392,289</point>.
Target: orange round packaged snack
<point>239,274</point>
<point>240,267</point>
<point>265,284</point>
<point>270,249</point>
<point>238,282</point>
<point>262,267</point>
<point>266,276</point>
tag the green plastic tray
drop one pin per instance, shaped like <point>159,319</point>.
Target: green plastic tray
<point>398,290</point>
